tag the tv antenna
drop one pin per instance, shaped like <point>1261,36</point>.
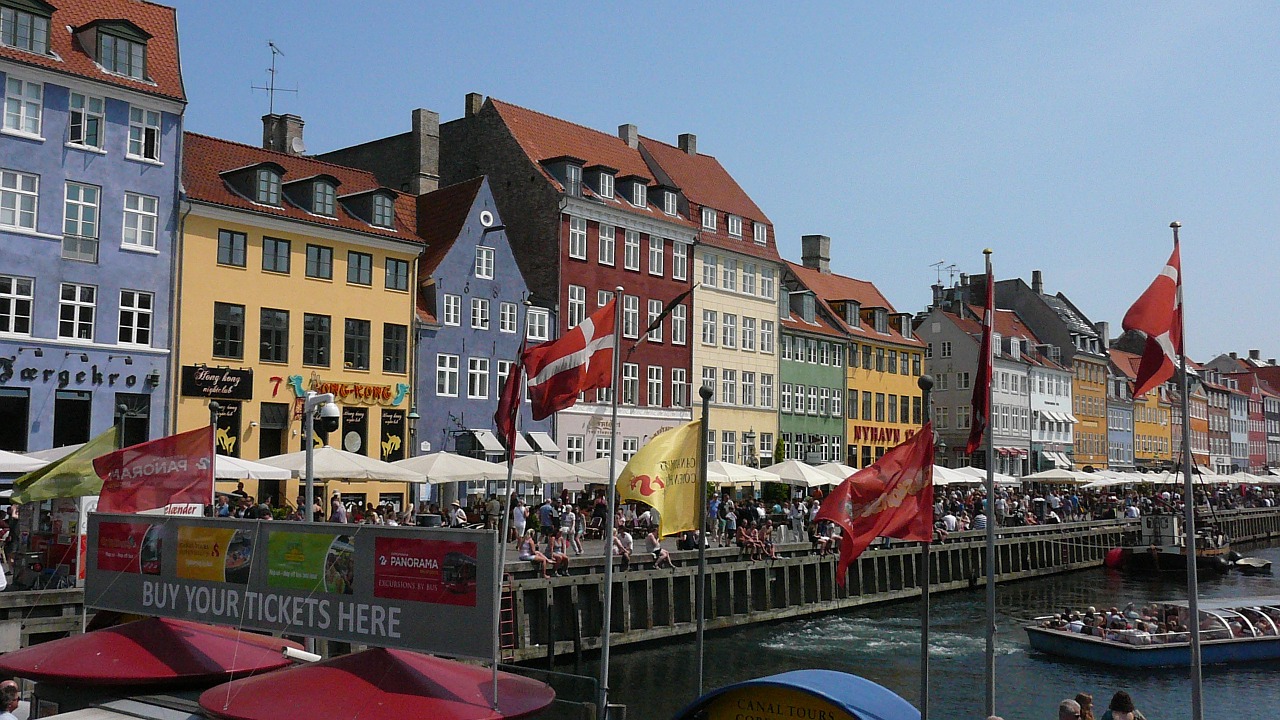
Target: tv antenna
<point>271,85</point>
<point>937,267</point>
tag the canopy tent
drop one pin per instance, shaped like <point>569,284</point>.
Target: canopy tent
<point>543,470</point>
<point>16,464</point>
<point>443,467</point>
<point>153,651</point>
<point>226,467</point>
<point>600,466</point>
<point>794,472</point>
<point>378,684</point>
<point>981,476</point>
<point>947,476</point>
<point>330,463</point>
<point>840,470</point>
<point>724,473</point>
<point>1059,475</point>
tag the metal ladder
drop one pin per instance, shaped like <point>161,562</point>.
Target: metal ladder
<point>507,621</point>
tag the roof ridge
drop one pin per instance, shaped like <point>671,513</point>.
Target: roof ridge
<point>677,147</point>
<point>307,158</point>
<point>497,101</point>
<point>830,274</point>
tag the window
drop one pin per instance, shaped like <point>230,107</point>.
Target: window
<point>962,380</point>
<point>679,324</point>
<point>573,179</point>
<point>608,236</point>
<point>144,143</point>
<point>944,351</point>
<point>749,334</point>
<point>504,371</point>
<point>866,357</point>
<point>749,278</point>
<point>478,378</point>
<point>384,213</point>
<point>606,185</point>
<point>811,351</point>
<point>824,401</point>
<point>121,56</point>
<point>766,390</point>
<point>766,336</point>
<point>813,400</point>
<point>786,398</point>
<point>836,398</point>
<point>480,313</point>
<point>866,405</point>
<point>320,262</point>
<point>766,283</point>
<point>19,195</point>
<point>577,305</point>
<point>679,387</point>
<point>275,255</point>
<point>729,277</point>
<point>359,268</point>
<point>630,383</point>
<point>16,297</point>
<point>761,233</point>
<point>397,272</point>
<point>679,261</point>
<point>708,219</point>
<point>735,226</point>
<point>748,389</point>
<point>140,221</point>
<point>446,375</point>
<point>630,316</point>
<point>228,330</point>
<point>824,353</point>
<point>24,30</point>
<point>537,324</point>
<point>23,106</point>
<point>315,340</point>
<point>577,238</point>
<point>322,198</point>
<point>709,270</point>
<point>893,362</point>
<point>729,331</point>
<point>879,359</point>
<point>573,445</point>
<point>655,311</point>
<point>729,446</point>
<point>630,446</point>
<point>231,248</point>
<point>603,297</point>
<point>507,317</point>
<point>915,364</point>
<point>709,324</point>
<point>639,195</point>
<point>709,381</point>
<point>655,255</point>
<point>452,309</point>
<point>355,348</point>
<point>879,407</point>
<point>395,347</point>
<point>80,223</point>
<point>729,386</point>
<point>631,250</point>
<point>654,394</point>
<point>274,336</point>
<point>944,381</point>
<point>837,355</point>
<point>893,408</point>
<point>669,204</point>
<point>88,118</point>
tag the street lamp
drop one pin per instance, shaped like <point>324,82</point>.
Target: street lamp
<point>316,404</point>
<point>749,437</point>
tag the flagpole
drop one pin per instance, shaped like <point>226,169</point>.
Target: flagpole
<point>704,392</point>
<point>607,610</point>
<point>926,388</point>
<point>1189,509</point>
<point>989,510</point>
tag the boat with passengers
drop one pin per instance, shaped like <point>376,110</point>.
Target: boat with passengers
<point>1232,630</point>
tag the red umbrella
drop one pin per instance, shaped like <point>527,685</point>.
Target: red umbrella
<point>154,651</point>
<point>378,684</point>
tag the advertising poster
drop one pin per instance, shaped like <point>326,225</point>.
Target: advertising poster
<point>430,571</point>
<point>314,562</point>
<point>215,554</point>
<point>120,547</point>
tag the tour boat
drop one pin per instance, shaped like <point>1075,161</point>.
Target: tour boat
<point>1232,631</point>
<point>1160,546</point>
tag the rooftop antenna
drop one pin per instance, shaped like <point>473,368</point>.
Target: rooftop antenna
<point>951,269</point>
<point>938,267</point>
<point>271,85</point>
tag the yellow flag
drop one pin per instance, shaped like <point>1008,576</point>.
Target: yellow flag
<point>72,476</point>
<point>664,475</point>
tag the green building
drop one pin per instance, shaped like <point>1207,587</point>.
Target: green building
<point>811,371</point>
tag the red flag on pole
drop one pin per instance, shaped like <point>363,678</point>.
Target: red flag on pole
<point>150,475</point>
<point>1158,315</point>
<point>582,360</point>
<point>892,498</point>
<point>982,385</point>
<point>509,407</point>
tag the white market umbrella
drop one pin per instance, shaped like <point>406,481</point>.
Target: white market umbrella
<point>226,467</point>
<point>544,470</point>
<point>444,467</point>
<point>55,453</point>
<point>839,470</point>
<point>723,473</point>
<point>600,466</point>
<point>330,463</point>
<point>794,472</point>
<point>947,476</point>
<point>981,475</point>
<point>19,464</point>
<point>1058,475</point>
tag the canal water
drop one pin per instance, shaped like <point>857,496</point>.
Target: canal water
<point>882,644</point>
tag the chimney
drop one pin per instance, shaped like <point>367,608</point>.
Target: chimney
<point>630,135</point>
<point>1271,361</point>
<point>426,139</point>
<point>816,252</point>
<point>474,101</point>
<point>688,143</point>
<point>1255,355</point>
<point>283,133</point>
<point>1037,282</point>
<point>1104,334</point>
<point>937,296</point>
<point>964,279</point>
<point>1233,356</point>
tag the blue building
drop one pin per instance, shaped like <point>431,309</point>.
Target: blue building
<point>471,319</point>
<point>90,150</point>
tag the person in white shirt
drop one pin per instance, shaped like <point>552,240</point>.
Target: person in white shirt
<point>457,516</point>
<point>949,522</point>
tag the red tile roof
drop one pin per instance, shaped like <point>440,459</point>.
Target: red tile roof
<point>205,158</point>
<point>830,287</point>
<point>820,325</point>
<point>1007,324</point>
<point>441,215</point>
<point>159,21</point>
<point>1126,362</point>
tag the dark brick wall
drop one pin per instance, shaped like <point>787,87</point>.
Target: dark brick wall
<point>390,159</point>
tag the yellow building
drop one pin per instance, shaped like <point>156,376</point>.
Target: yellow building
<point>1089,405</point>
<point>294,275</point>
<point>1152,421</point>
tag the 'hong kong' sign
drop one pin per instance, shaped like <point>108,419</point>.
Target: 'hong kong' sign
<point>217,383</point>
<point>402,587</point>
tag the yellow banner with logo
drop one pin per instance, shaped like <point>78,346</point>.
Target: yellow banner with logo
<point>664,475</point>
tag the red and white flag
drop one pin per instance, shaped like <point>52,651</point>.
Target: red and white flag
<point>982,384</point>
<point>582,360</point>
<point>891,498</point>
<point>508,411</point>
<point>151,475</point>
<point>1158,315</point>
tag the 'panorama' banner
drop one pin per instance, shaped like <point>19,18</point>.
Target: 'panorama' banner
<point>427,589</point>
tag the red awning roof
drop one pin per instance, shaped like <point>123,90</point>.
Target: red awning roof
<point>378,684</point>
<point>154,651</point>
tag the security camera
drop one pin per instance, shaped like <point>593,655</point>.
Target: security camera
<point>329,417</point>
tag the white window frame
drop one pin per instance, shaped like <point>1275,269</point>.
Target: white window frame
<point>747,389</point>
<point>144,138</point>
<point>766,283</point>
<point>136,309</point>
<point>766,390</point>
<point>577,309</point>
<point>573,179</point>
<point>766,337</point>
<point>92,110</point>
<point>631,316</point>
<point>608,245</point>
<point>710,270</point>
<point>679,261</point>
<point>631,250</point>
<point>141,215</point>
<point>484,262</point>
<point>748,337</point>
<point>23,106</point>
<point>728,386</point>
<point>508,317</point>
<point>655,310</point>
<point>537,324</point>
<point>603,297</point>
<point>640,195</point>
<point>478,378</point>
<point>82,312</point>
<point>728,331</point>
<point>480,313</point>
<point>670,206</point>
<point>81,220</point>
<point>710,328</point>
<point>19,200</point>
<point>655,256</point>
<point>446,375</point>
<point>729,275</point>
<point>452,309</point>
<point>749,278</point>
<point>735,226</point>
<point>16,304</point>
<point>630,446</point>
<point>654,389</point>
<point>630,383</point>
<point>577,238</point>
<point>837,400</point>
<point>709,379</point>
<point>606,185</point>
<point>761,233</point>
<point>679,325</point>
<point>679,387</point>
<point>708,219</point>
<point>573,445</point>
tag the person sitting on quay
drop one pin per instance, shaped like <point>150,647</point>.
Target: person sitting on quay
<point>623,544</point>
<point>654,545</point>
<point>766,539</point>
<point>529,551</point>
<point>558,552</point>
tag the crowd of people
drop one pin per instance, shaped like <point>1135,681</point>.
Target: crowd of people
<point>1156,624</point>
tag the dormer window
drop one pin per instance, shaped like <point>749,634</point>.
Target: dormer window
<point>640,195</point>
<point>762,233</point>
<point>24,24</point>
<point>1015,349</point>
<point>606,185</point>
<point>322,198</point>
<point>708,219</point>
<point>735,226</point>
<point>573,179</point>
<point>995,344</point>
<point>852,311</point>
<point>881,318</point>
<point>669,202</point>
<point>121,56</point>
<point>268,186</point>
<point>383,211</point>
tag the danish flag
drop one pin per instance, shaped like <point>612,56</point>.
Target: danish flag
<point>982,386</point>
<point>1158,315</point>
<point>582,360</point>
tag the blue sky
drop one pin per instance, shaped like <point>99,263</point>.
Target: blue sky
<point>1064,136</point>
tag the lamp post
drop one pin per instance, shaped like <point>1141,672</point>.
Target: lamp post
<point>321,403</point>
<point>749,457</point>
